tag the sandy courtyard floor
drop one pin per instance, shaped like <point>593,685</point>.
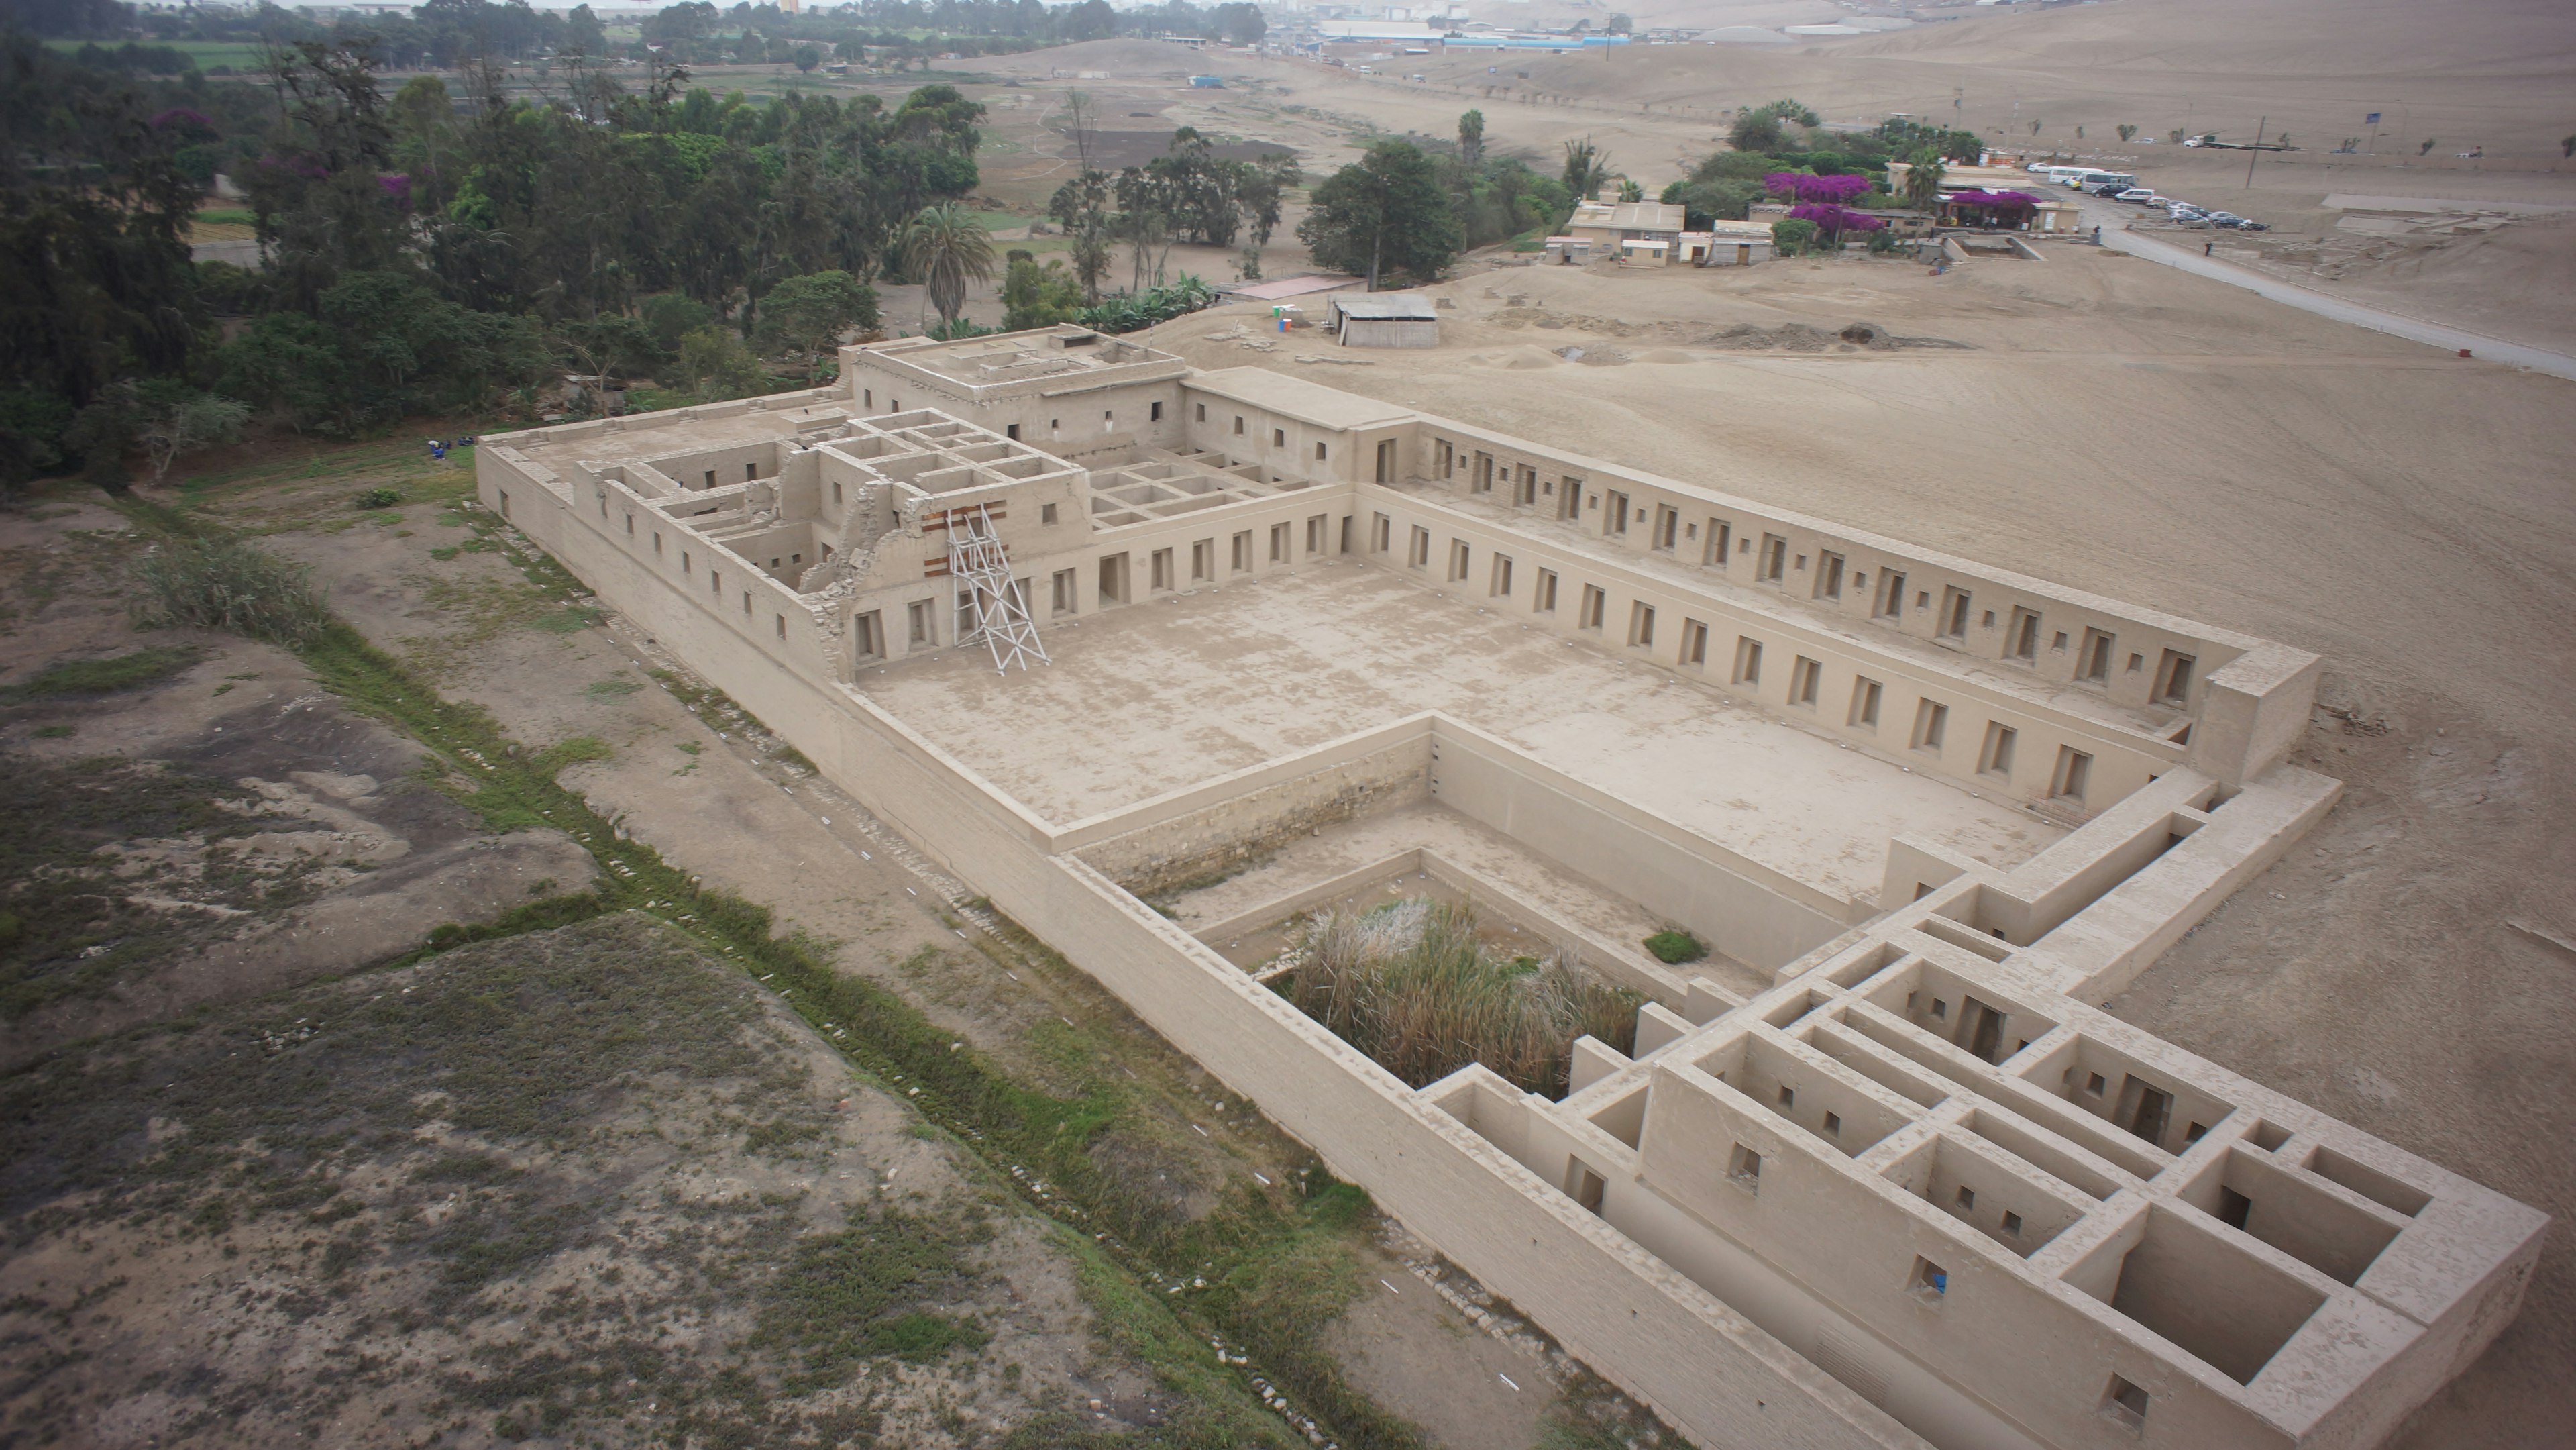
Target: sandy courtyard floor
<point>1155,696</point>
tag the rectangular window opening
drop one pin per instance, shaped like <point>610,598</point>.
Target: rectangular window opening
<point>2093,663</point>
<point>1748,661</point>
<point>1931,724</point>
<point>2074,772</point>
<point>1829,575</point>
<point>1864,705</point>
<point>2021,637</point>
<point>2173,679</point>
<point>1995,757</point>
<point>1804,677</point>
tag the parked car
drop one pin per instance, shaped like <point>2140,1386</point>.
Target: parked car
<point>2106,188</point>
<point>2137,194</point>
<point>2223,218</point>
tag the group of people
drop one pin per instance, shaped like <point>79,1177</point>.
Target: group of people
<point>438,446</point>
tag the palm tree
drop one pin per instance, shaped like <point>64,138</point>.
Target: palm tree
<point>1923,180</point>
<point>947,248</point>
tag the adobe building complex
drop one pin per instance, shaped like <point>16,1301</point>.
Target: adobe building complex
<point>1088,625</point>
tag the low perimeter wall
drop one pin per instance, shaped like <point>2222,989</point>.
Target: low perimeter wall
<point>1635,1321</point>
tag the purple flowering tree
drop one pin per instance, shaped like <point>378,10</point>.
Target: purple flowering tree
<point>1833,220</point>
<point>1815,190</point>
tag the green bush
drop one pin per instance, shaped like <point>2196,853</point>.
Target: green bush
<point>222,584</point>
<point>1792,236</point>
<point>1675,946</point>
<point>376,498</point>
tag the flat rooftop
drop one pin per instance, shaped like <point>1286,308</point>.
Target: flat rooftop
<point>1152,697</point>
<point>1063,352</point>
<point>651,435</point>
<point>1297,398</point>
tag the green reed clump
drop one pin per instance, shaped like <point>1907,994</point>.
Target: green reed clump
<point>1409,984</point>
<point>226,584</point>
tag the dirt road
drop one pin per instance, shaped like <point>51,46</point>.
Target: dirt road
<point>2114,219</point>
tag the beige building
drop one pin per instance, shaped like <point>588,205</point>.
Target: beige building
<point>1646,231</point>
<point>1084,623</point>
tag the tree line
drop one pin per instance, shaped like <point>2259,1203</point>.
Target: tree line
<point>454,34</point>
<point>427,249</point>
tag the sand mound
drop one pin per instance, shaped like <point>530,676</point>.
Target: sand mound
<point>1525,358</point>
<point>1664,355</point>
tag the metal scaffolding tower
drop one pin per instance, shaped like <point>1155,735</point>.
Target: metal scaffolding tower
<point>990,610</point>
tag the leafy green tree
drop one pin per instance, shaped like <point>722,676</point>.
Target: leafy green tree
<point>808,315</point>
<point>1471,140</point>
<point>807,58</point>
<point>1791,236</point>
<point>714,365</point>
<point>162,416</point>
<point>670,315</point>
<point>2126,131</point>
<point>93,217</point>
<point>947,249</point>
<point>326,196</point>
<point>1262,191</point>
<point>610,346</point>
<point>1387,212</point>
<point>1035,296</point>
<point>378,345</point>
<point>1703,202</point>
<point>1763,128</point>
<point>1081,206</point>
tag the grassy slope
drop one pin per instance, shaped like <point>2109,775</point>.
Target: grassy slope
<point>1263,1273</point>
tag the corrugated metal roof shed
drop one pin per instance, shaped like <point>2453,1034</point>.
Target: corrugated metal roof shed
<point>1387,307</point>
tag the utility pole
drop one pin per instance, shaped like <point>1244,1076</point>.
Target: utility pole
<point>2257,153</point>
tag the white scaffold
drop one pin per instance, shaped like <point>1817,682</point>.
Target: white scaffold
<point>989,605</point>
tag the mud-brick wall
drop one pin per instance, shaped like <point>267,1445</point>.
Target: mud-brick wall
<point>1218,839</point>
